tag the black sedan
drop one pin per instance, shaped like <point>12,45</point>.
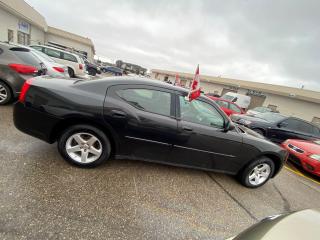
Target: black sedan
<point>142,120</point>
<point>277,127</point>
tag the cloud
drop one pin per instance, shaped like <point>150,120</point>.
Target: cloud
<point>265,40</point>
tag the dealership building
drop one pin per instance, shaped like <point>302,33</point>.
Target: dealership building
<point>20,23</point>
<point>289,101</point>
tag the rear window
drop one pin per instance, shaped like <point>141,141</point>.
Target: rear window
<point>69,57</point>
<point>42,56</point>
<point>26,56</point>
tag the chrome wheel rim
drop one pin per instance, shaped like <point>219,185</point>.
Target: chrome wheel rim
<point>83,147</point>
<point>259,174</point>
<point>3,94</point>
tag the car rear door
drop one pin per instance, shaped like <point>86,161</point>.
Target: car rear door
<point>201,139</point>
<point>291,128</point>
<point>143,118</point>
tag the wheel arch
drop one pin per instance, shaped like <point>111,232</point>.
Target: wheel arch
<point>61,126</point>
<point>13,93</point>
<point>276,159</point>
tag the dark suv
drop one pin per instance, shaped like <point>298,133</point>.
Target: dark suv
<point>16,65</point>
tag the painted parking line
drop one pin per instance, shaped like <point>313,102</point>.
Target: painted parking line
<point>297,172</point>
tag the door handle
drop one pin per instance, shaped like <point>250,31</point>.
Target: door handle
<point>118,114</point>
<point>188,129</point>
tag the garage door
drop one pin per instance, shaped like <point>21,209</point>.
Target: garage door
<point>256,101</point>
<point>225,90</point>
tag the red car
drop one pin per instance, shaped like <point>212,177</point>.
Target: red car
<point>227,106</point>
<point>305,154</point>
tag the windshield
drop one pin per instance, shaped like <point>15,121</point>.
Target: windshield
<point>43,57</point>
<point>270,117</point>
<point>262,109</point>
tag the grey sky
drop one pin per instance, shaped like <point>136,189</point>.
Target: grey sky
<point>257,40</point>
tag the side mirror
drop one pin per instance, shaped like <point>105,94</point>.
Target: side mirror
<point>235,99</point>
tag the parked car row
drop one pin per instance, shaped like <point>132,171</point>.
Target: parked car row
<point>140,119</point>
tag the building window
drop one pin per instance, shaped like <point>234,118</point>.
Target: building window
<point>23,38</point>
<point>316,120</point>
<point>10,35</point>
<point>272,107</point>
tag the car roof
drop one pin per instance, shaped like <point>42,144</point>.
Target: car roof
<point>139,81</point>
<point>57,49</point>
<point>11,44</point>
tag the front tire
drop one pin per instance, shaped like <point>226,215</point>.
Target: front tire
<point>5,94</point>
<point>257,173</point>
<point>84,146</point>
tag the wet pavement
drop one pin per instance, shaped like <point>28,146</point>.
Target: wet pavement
<point>43,197</point>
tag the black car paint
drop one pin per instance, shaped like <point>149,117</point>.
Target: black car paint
<point>54,104</point>
<point>273,130</point>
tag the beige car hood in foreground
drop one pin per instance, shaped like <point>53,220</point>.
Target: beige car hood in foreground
<point>302,225</point>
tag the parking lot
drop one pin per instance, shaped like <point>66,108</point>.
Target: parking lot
<point>43,197</point>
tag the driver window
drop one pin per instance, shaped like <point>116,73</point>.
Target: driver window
<point>200,112</point>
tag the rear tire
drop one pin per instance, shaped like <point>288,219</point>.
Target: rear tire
<point>257,173</point>
<point>84,146</point>
<point>5,94</point>
<point>71,72</point>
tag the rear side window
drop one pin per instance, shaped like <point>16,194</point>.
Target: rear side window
<point>37,48</point>
<point>52,53</point>
<point>69,57</point>
<point>305,127</point>
<point>148,100</point>
<point>26,56</point>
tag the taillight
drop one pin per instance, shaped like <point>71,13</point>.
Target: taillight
<point>80,66</point>
<point>24,90</point>
<point>23,69</point>
<point>58,69</point>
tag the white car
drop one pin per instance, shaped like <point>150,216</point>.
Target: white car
<point>258,110</point>
<point>75,64</point>
<point>241,100</point>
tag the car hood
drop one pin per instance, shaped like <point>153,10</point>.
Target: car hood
<point>307,146</point>
<point>294,226</point>
<point>250,132</point>
<point>238,117</point>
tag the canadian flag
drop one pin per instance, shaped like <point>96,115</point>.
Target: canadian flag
<point>177,82</point>
<point>195,89</point>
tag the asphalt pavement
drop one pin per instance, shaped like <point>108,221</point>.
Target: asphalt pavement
<point>43,197</point>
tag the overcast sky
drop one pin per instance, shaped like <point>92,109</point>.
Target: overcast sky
<point>256,40</point>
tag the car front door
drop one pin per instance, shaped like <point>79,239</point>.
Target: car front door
<point>201,139</point>
<point>143,119</point>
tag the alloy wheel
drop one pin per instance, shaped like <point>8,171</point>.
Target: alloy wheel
<point>3,94</point>
<point>259,174</point>
<point>83,147</point>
